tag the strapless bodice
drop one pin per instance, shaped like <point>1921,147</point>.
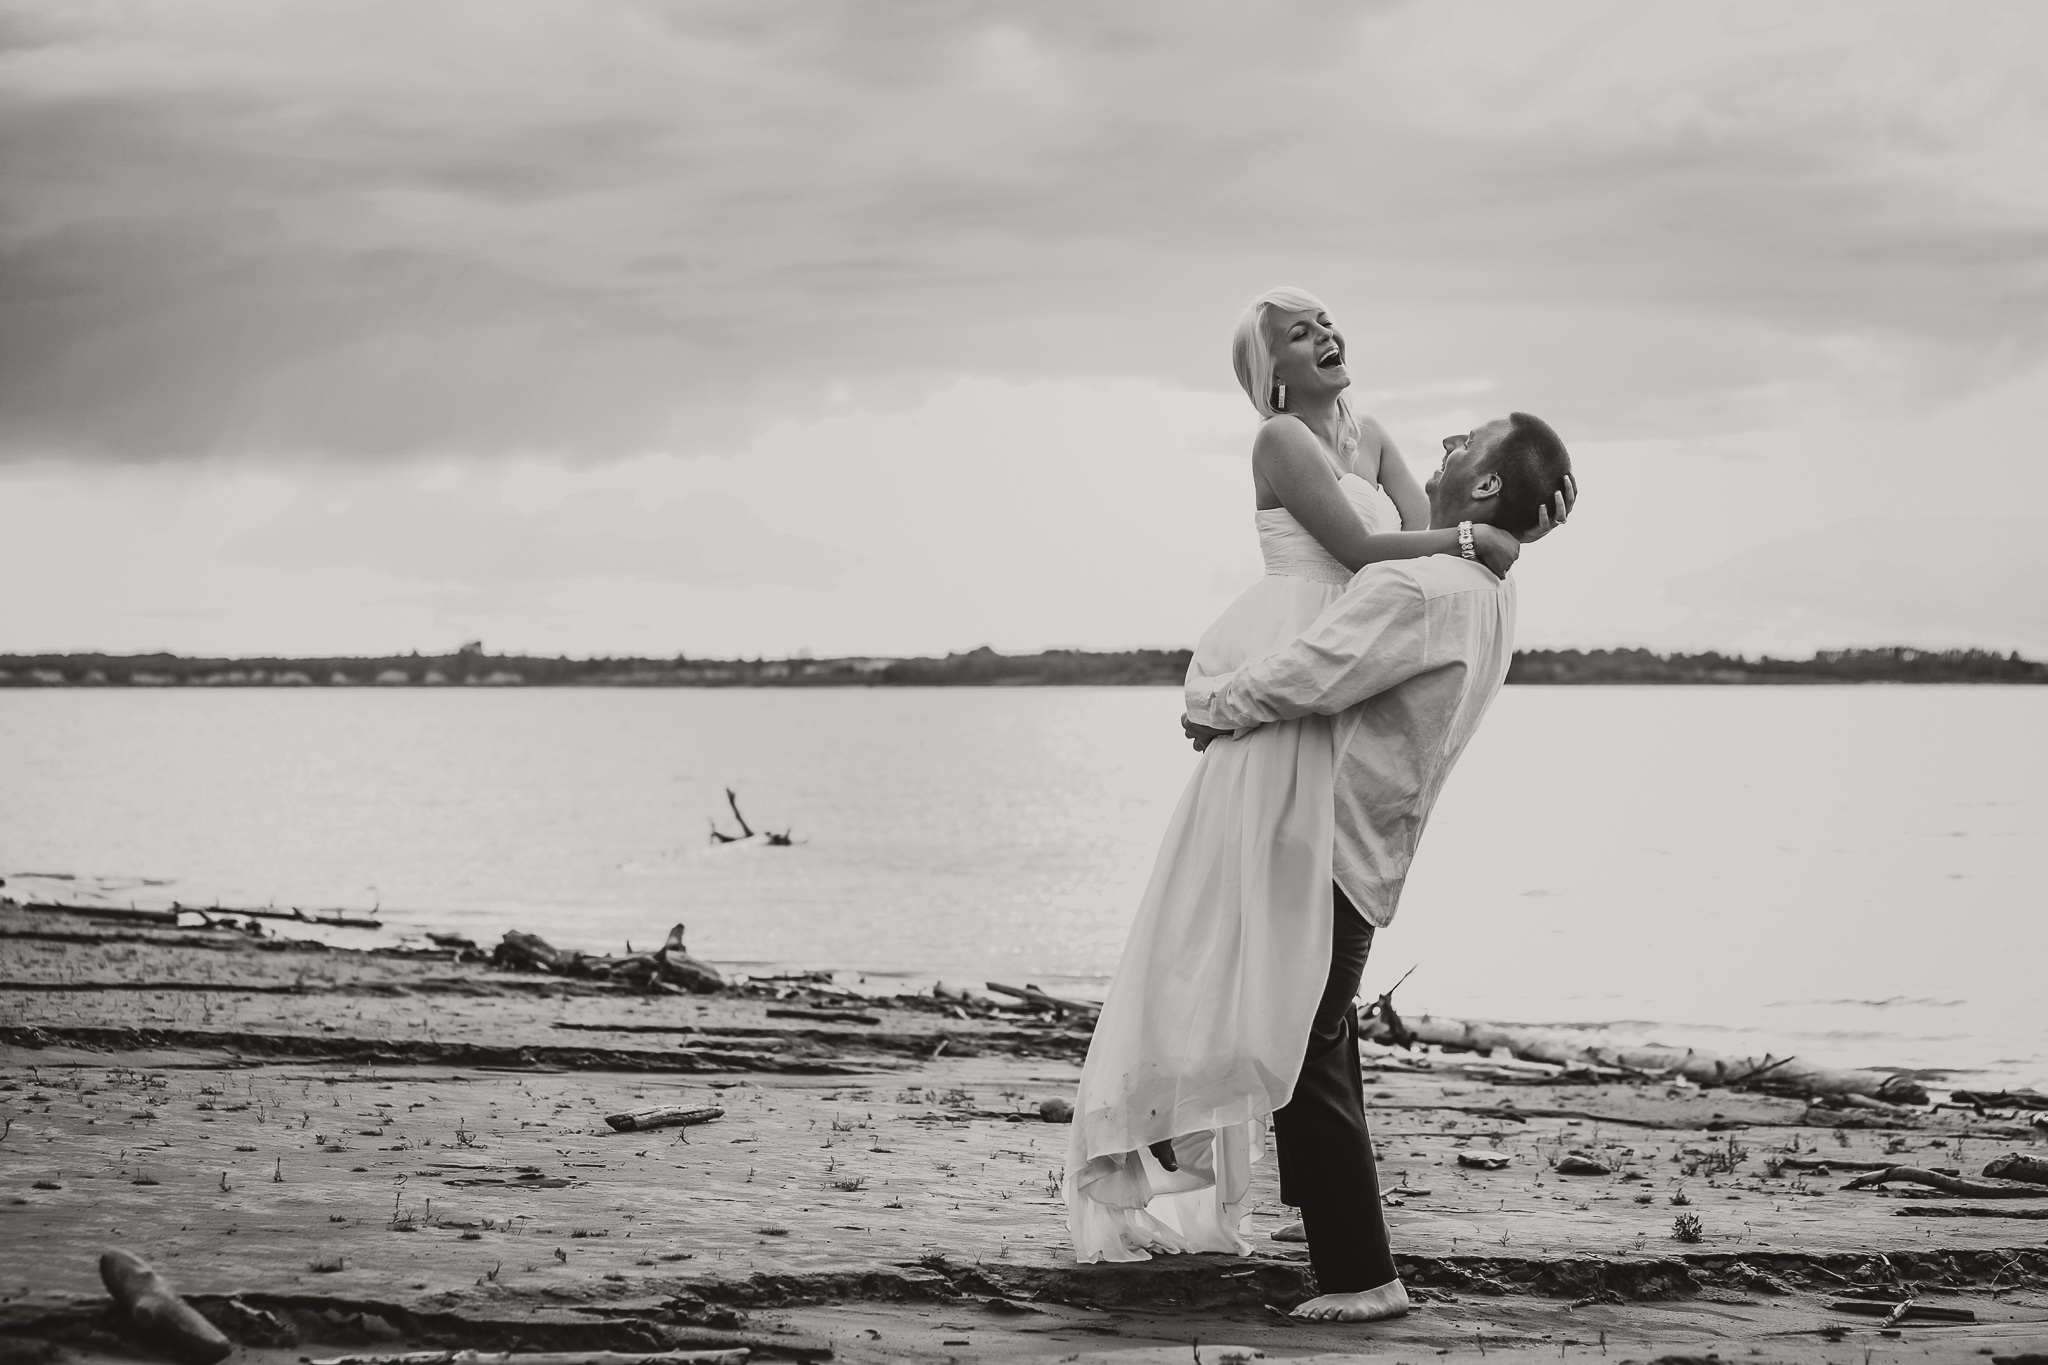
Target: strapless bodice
<point>1290,551</point>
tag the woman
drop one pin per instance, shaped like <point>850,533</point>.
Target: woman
<point>1202,1035</point>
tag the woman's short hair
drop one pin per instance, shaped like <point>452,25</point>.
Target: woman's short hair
<point>1251,355</point>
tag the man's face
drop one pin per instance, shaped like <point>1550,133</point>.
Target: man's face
<point>1465,459</point>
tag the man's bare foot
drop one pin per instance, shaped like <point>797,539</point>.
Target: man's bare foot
<point>1292,1232</point>
<point>1390,1300</point>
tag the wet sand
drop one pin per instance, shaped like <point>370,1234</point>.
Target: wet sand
<point>331,1150</point>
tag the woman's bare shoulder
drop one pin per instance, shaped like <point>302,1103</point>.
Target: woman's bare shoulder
<point>1284,435</point>
<point>1371,435</point>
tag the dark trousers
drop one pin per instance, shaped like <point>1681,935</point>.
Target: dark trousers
<point>1326,1164</point>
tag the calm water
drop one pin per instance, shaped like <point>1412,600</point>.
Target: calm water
<point>1848,873</point>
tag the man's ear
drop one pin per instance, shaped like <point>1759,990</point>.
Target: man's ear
<point>1488,485</point>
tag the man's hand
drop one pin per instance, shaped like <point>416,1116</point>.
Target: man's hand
<point>1495,549</point>
<point>1201,734</point>
<point>1545,523</point>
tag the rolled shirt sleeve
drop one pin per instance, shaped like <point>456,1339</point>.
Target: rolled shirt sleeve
<point>1374,637</point>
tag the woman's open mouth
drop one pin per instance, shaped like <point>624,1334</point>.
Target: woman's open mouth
<point>1333,359</point>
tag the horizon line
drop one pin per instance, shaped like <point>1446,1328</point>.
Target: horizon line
<point>474,650</point>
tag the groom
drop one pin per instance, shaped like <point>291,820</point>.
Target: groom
<point>1407,661</point>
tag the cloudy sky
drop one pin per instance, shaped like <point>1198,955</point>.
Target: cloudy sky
<point>591,326</point>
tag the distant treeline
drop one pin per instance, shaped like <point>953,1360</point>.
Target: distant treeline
<point>1897,665</point>
<point>471,667</point>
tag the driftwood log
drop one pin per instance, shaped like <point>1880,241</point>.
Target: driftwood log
<point>1821,1163</point>
<point>530,952</point>
<point>2013,1166</point>
<point>1963,1186</point>
<point>1779,1075</point>
<point>1840,1100</point>
<point>964,995</point>
<point>1909,1310</point>
<point>106,912</point>
<point>731,1356</point>
<point>678,966</point>
<point>746,834</point>
<point>163,1319</point>
<point>663,1116</point>
<point>2001,1099</point>
<point>333,919</point>
<point>822,1016</point>
<point>1032,995</point>
<point>670,964</point>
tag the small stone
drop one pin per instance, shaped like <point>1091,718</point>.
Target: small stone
<point>1056,1110</point>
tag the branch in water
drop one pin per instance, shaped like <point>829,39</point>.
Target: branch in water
<point>775,840</point>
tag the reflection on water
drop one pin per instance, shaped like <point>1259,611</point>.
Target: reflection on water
<point>1842,871</point>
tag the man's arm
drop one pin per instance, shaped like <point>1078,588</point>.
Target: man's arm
<point>1373,637</point>
<point>1290,462</point>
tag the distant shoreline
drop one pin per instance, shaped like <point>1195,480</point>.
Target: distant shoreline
<point>471,667</point>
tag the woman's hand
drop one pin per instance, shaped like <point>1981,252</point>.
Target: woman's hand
<point>1495,548</point>
<point>1545,523</point>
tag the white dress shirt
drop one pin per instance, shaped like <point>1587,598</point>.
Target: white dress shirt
<point>1407,661</point>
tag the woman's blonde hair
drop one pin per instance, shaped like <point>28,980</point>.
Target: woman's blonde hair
<point>1252,356</point>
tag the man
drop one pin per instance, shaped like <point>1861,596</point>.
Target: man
<point>1407,660</point>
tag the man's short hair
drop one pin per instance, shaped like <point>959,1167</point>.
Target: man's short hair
<point>1532,463</point>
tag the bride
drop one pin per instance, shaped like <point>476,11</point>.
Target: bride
<point>1204,1029</point>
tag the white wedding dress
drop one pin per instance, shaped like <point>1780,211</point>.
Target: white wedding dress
<point>1202,1034</point>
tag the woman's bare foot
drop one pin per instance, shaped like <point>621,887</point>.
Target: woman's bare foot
<point>1292,1232</point>
<point>1390,1300</point>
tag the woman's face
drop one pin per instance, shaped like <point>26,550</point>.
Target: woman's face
<point>1308,353</point>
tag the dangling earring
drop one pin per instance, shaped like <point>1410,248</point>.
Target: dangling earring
<point>1279,398</point>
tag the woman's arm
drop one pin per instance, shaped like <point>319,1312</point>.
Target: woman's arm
<point>1396,479</point>
<point>1287,459</point>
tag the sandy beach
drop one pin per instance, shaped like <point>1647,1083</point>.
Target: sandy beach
<point>641,631</point>
<point>333,1151</point>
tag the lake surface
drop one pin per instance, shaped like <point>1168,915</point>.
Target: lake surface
<point>1849,873</point>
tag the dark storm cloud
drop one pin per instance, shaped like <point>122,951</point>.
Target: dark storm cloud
<point>591,229</point>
